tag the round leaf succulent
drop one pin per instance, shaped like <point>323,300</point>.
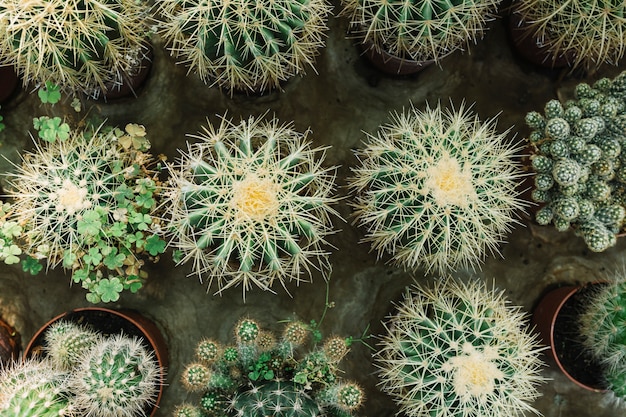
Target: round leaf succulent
<point>459,349</point>
<point>244,45</point>
<point>436,188</point>
<point>250,204</point>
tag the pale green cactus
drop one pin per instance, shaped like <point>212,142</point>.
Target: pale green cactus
<point>249,204</point>
<point>67,342</point>
<point>459,349</point>
<point>244,45</point>
<point>437,188</point>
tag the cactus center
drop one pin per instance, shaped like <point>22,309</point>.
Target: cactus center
<point>71,197</point>
<point>474,372</point>
<point>449,183</point>
<point>255,197</point>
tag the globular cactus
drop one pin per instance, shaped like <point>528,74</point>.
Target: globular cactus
<point>418,30</point>
<point>89,203</point>
<point>244,45</point>
<point>458,349</point>
<point>273,398</point>
<point>117,377</point>
<point>85,46</point>
<point>577,158</point>
<point>586,33</point>
<point>250,204</point>
<point>67,342</point>
<point>34,388</point>
<point>437,188</point>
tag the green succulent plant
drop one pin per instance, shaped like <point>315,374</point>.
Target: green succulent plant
<point>249,204</point>
<point>255,377</point>
<point>86,200</point>
<point>458,349</point>
<point>586,33</point>
<point>84,46</point>
<point>418,30</point>
<point>580,175</point>
<point>436,188</point>
<point>244,45</point>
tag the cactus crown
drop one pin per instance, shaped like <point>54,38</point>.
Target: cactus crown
<point>458,349</point>
<point>436,188</point>
<point>419,30</point>
<point>588,33</point>
<point>86,46</point>
<point>245,45</point>
<point>580,172</point>
<point>250,204</point>
<point>258,380</point>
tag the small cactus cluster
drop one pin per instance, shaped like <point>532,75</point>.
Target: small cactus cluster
<point>580,179</point>
<point>85,46</point>
<point>587,33</point>
<point>419,30</point>
<point>83,372</point>
<point>244,45</point>
<point>458,349</point>
<point>437,188</point>
<point>249,203</point>
<point>262,375</point>
<point>88,203</point>
<point>603,331</point>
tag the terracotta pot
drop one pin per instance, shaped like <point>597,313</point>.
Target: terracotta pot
<point>131,83</point>
<point>555,319</point>
<point>9,343</point>
<point>391,64</point>
<point>110,322</point>
<point>8,82</point>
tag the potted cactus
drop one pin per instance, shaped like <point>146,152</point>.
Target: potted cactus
<point>402,36</point>
<point>249,204</point>
<point>86,200</point>
<point>576,158</point>
<point>244,46</point>
<point>575,33</point>
<point>85,46</point>
<point>459,349</point>
<point>262,375</point>
<point>436,188</point>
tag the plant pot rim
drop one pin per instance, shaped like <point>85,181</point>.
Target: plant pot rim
<point>152,335</point>
<point>393,64</point>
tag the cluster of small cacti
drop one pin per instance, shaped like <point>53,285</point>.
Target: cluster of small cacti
<point>577,156</point>
<point>87,202</point>
<point>249,204</point>
<point>437,188</point>
<point>242,45</point>
<point>82,373</point>
<point>603,331</point>
<point>85,46</point>
<point>587,33</point>
<point>262,375</point>
<point>459,349</point>
<point>420,31</point>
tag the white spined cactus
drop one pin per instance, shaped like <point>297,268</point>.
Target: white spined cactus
<point>458,349</point>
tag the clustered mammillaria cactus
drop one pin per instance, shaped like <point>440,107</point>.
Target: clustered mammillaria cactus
<point>85,46</point>
<point>250,204</point>
<point>458,349</point>
<point>580,176</point>
<point>262,375</point>
<point>437,188</point>
<point>245,45</point>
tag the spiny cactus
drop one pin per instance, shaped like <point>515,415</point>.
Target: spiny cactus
<point>458,349</point>
<point>419,30</point>
<point>86,46</point>
<point>436,188</point>
<point>588,33</point>
<point>244,45</point>
<point>577,157</point>
<point>34,389</point>
<point>250,204</point>
<point>67,342</point>
<point>89,203</point>
<point>274,398</point>
<point>116,377</point>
